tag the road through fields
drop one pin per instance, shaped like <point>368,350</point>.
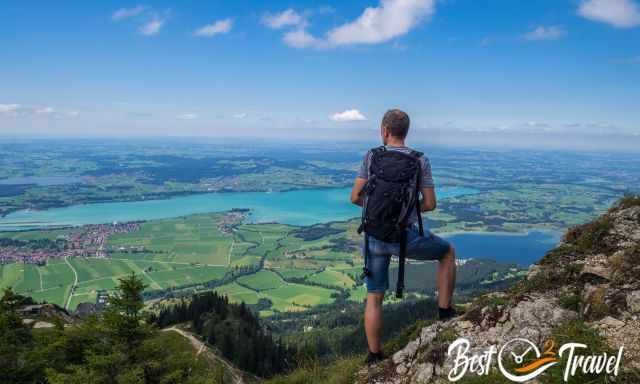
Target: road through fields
<point>75,283</point>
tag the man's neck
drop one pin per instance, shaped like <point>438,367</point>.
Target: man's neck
<point>395,143</point>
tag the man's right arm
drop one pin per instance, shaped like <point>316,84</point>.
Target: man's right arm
<point>428,202</point>
<point>427,186</point>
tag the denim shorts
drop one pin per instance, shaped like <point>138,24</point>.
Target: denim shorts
<point>427,247</point>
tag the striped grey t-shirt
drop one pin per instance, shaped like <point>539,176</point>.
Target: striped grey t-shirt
<point>425,169</point>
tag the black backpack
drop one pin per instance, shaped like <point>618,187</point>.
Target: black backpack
<point>390,196</point>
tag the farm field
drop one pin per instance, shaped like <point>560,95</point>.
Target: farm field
<point>188,252</point>
<point>237,293</point>
<point>284,298</point>
<point>52,282</point>
<point>192,239</point>
<point>333,278</point>
<point>275,267</point>
<point>261,280</point>
<point>302,295</point>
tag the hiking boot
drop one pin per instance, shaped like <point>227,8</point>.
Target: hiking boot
<point>445,314</point>
<point>374,358</point>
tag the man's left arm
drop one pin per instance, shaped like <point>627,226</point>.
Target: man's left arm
<point>427,186</point>
<point>356,197</point>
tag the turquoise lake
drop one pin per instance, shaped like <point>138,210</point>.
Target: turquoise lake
<point>518,248</point>
<point>298,207</point>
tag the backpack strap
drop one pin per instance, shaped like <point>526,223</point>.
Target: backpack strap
<point>401,261</point>
<point>416,154</point>
<point>381,148</point>
<point>365,268</point>
<point>373,152</point>
<point>418,212</point>
<point>418,186</point>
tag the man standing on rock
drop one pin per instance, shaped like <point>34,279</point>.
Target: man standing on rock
<point>394,185</point>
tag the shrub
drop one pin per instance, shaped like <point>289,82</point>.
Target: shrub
<point>628,201</point>
<point>571,301</point>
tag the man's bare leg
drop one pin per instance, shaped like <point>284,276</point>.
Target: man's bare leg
<point>373,320</point>
<point>446,278</point>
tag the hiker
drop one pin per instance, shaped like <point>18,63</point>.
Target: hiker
<point>394,185</point>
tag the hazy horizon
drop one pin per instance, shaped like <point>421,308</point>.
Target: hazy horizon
<point>625,147</point>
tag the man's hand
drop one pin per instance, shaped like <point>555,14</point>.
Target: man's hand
<point>428,200</point>
<point>355,192</point>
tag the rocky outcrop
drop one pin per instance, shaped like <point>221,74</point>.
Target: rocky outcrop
<point>589,284</point>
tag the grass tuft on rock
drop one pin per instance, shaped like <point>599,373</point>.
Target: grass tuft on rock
<point>628,201</point>
<point>342,371</point>
<point>571,301</point>
<point>590,238</point>
<point>576,331</point>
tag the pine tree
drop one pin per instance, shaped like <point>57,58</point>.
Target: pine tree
<point>15,342</point>
<point>123,317</point>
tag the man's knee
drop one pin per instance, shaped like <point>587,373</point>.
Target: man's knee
<point>375,298</point>
<point>450,256</point>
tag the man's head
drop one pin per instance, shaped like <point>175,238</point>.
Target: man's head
<point>395,126</point>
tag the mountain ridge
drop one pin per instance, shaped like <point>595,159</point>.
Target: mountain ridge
<point>585,290</point>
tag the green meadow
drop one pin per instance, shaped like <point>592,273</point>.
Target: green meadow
<point>261,280</point>
<point>285,297</point>
<point>333,278</point>
<point>192,250</point>
<point>189,239</point>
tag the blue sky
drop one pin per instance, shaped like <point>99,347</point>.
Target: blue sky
<point>547,73</point>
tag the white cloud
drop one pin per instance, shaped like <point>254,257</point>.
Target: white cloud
<point>152,27</point>
<point>618,13</point>
<point>283,19</point>
<point>9,108</point>
<point>537,126</point>
<point>545,33</point>
<point>219,27</point>
<point>125,13</point>
<point>348,115</point>
<point>300,38</point>
<point>187,116</point>
<point>391,19</point>
<point>241,115</point>
<point>44,111</point>
<point>26,111</point>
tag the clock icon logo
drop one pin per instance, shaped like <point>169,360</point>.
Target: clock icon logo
<point>520,360</point>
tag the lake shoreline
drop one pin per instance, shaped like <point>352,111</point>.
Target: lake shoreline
<point>295,207</point>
